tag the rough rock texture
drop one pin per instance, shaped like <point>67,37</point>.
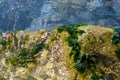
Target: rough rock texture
<point>53,62</point>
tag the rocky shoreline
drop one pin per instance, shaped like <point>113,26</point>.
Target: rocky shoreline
<point>43,55</point>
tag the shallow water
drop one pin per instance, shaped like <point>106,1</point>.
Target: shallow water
<point>47,14</point>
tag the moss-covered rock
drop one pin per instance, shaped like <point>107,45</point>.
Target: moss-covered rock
<point>71,52</point>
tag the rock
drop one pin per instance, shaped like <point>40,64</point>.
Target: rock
<point>21,71</point>
<point>53,62</point>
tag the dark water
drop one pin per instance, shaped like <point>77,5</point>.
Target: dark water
<point>47,14</point>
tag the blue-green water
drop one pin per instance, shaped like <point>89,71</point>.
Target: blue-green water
<point>47,14</point>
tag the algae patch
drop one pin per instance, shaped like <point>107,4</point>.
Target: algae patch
<point>71,52</point>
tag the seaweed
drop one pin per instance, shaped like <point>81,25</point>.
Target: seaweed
<point>116,40</point>
<point>118,53</point>
<point>83,62</point>
<point>25,56</point>
<point>116,37</point>
<point>36,48</point>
